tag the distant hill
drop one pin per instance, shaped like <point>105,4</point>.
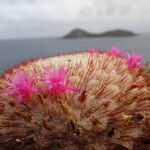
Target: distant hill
<point>79,33</point>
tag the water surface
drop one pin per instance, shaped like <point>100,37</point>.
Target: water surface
<point>16,50</point>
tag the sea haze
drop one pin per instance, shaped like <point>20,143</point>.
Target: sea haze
<point>16,50</point>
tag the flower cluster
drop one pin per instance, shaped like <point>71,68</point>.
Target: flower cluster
<point>22,85</point>
<point>132,61</point>
<point>116,52</point>
<point>56,82</point>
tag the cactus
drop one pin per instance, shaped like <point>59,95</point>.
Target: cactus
<point>94,100</point>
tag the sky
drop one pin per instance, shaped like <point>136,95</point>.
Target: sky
<point>57,17</point>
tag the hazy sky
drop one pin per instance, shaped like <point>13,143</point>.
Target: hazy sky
<point>59,16</point>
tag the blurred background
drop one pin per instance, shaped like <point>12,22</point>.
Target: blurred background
<point>36,28</point>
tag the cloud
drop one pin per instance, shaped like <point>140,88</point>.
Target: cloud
<point>93,15</point>
<point>130,14</point>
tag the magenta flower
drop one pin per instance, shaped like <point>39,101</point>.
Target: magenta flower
<point>56,82</point>
<point>93,50</point>
<point>134,60</point>
<point>21,86</point>
<point>115,52</point>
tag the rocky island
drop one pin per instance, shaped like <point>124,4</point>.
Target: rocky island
<point>80,33</point>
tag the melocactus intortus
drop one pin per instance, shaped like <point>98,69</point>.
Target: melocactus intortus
<point>95,100</point>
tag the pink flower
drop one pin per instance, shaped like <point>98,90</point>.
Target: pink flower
<point>115,52</point>
<point>134,60</point>
<point>93,50</point>
<point>21,86</point>
<point>56,82</point>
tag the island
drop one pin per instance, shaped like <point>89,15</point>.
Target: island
<point>80,33</point>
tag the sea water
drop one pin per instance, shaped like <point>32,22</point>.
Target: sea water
<point>13,51</point>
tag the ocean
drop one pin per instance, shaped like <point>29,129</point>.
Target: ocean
<point>13,51</point>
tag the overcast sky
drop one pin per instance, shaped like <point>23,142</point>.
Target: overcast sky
<point>57,17</point>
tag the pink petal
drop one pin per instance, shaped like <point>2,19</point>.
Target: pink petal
<point>116,52</point>
<point>55,80</point>
<point>133,61</point>
<point>21,86</point>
